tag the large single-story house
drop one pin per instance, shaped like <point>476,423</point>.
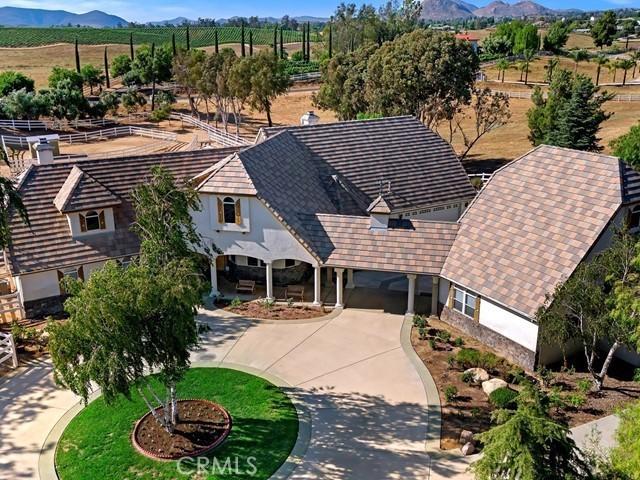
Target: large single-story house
<point>385,195</point>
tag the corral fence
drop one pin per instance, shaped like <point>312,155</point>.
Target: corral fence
<point>85,137</point>
<point>484,177</point>
<point>215,134</point>
<point>30,125</point>
<point>527,95</point>
<point>8,353</point>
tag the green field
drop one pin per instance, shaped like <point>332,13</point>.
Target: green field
<point>200,36</point>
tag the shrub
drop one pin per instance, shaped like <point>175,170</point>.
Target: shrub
<point>546,376</point>
<point>468,358</point>
<point>584,385</point>
<point>467,377</point>
<point>636,375</point>
<point>433,344</point>
<point>576,400</point>
<point>516,375</point>
<point>488,360</point>
<point>444,335</point>
<point>503,397</point>
<point>458,342</point>
<point>422,333</point>
<point>268,303</point>
<point>451,361</point>
<point>235,303</point>
<point>450,393</point>
<point>419,321</point>
<point>556,400</point>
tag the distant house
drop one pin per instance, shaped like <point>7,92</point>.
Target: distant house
<point>468,38</point>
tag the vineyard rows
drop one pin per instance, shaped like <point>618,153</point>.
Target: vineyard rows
<point>200,36</point>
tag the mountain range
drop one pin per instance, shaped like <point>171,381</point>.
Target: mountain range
<point>454,9</point>
<point>34,17</point>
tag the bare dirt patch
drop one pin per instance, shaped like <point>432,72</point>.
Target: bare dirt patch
<point>266,311</point>
<point>201,427</point>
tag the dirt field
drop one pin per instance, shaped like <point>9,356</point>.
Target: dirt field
<point>538,73</point>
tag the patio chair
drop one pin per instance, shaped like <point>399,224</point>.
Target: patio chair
<point>245,286</point>
<point>294,291</point>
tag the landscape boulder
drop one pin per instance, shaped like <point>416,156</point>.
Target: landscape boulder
<point>478,375</point>
<point>491,385</point>
<point>468,449</point>
<point>466,436</point>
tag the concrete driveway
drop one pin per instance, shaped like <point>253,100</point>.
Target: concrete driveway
<point>368,405</point>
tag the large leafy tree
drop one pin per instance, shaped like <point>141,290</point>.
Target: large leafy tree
<point>556,37</point>
<point>24,105</point>
<point>423,73</point>
<point>571,114</point>
<point>92,76</point>
<point>599,302</point>
<point>125,322</point>
<point>625,456</point>
<point>605,29</point>
<point>343,80</point>
<point>269,80</point>
<point>13,81</point>
<point>67,101</point>
<point>187,71</point>
<point>528,444</point>
<point>527,39</point>
<point>627,146</point>
<point>59,75</point>
<point>10,203</point>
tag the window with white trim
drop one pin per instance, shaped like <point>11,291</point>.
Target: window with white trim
<point>92,221</point>
<point>464,302</point>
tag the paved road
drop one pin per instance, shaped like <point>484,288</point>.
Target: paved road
<point>367,403</point>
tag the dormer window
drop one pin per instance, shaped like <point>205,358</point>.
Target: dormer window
<point>92,221</point>
<point>229,211</point>
<point>634,218</point>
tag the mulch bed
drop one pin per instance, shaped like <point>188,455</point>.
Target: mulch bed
<point>256,309</point>
<point>202,426</point>
<point>472,410</point>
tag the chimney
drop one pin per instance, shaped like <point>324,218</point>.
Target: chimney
<point>379,213</point>
<point>309,118</point>
<point>44,152</point>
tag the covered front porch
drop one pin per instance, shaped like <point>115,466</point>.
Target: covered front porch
<point>339,287</point>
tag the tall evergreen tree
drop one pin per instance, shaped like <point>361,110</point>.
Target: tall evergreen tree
<point>188,39</point>
<point>250,43</point>
<point>308,41</point>
<point>242,48</point>
<point>330,41</point>
<point>605,29</point>
<point>215,40</point>
<point>131,52</point>
<point>282,53</point>
<point>77,56</point>
<point>275,41</point>
<point>304,43</point>
<point>106,68</point>
<point>174,49</point>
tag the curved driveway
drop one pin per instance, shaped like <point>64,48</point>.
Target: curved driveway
<point>368,407</point>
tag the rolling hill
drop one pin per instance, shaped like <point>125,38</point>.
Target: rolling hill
<point>455,9</point>
<point>33,17</point>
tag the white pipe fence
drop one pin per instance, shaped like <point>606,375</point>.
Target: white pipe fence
<point>55,124</point>
<point>215,135</point>
<point>524,94</point>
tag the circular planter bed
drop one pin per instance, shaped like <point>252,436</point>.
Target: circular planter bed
<point>97,443</point>
<point>202,426</point>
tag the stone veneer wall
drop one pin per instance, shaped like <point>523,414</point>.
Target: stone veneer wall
<point>281,276</point>
<point>44,307</point>
<point>512,351</point>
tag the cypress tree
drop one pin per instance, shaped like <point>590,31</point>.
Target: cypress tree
<point>308,41</point>
<point>215,39</point>
<point>251,43</point>
<point>153,76</point>
<point>188,39</point>
<point>330,41</point>
<point>131,53</point>
<point>106,68</point>
<point>242,51</point>
<point>173,44</point>
<point>281,44</point>
<point>275,42</point>
<point>304,43</point>
<point>77,56</point>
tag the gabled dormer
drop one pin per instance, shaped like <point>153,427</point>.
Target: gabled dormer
<point>87,204</point>
<point>379,212</point>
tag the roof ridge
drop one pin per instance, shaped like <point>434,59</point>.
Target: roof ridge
<point>340,122</point>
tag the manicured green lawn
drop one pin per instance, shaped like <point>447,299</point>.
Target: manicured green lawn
<point>96,444</point>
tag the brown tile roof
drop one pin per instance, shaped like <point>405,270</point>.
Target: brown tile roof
<point>379,205</point>
<point>48,243</point>
<point>82,192</point>
<point>418,165</point>
<point>533,223</point>
<point>409,246</point>
<point>228,177</point>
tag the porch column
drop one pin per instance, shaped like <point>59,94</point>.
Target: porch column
<point>350,283</point>
<point>339,299</point>
<point>317,284</point>
<point>269,266</point>
<point>411,296</point>
<point>214,278</point>
<point>435,293</point>
<point>329,276</point>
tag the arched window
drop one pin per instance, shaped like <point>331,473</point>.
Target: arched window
<point>229,205</point>
<point>92,220</point>
<point>634,218</point>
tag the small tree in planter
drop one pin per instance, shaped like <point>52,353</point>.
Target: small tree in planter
<point>126,322</point>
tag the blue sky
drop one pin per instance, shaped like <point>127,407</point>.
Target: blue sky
<point>145,10</point>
